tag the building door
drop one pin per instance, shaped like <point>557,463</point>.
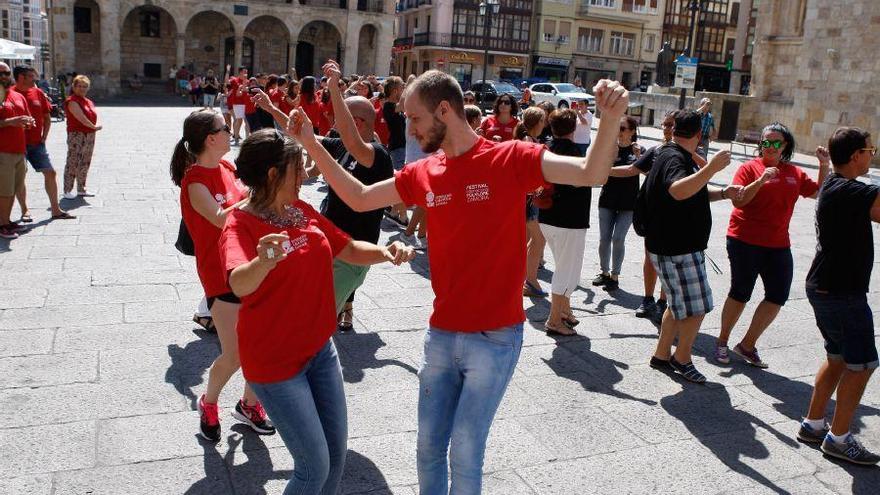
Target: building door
<point>247,54</point>
<point>305,58</point>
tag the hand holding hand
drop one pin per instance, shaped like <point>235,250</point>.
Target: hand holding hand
<point>300,127</point>
<point>612,99</point>
<point>269,250</point>
<point>398,253</point>
<point>769,174</point>
<point>824,156</point>
<point>735,192</point>
<point>719,161</point>
<point>332,72</point>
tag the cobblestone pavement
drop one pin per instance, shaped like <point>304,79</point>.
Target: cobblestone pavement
<point>101,367</point>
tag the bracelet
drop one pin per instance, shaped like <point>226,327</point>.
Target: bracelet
<point>724,192</point>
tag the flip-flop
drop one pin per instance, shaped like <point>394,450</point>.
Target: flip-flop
<point>555,331</point>
<point>530,290</point>
<point>343,325</point>
<point>63,216</point>
<point>205,322</point>
<point>27,218</point>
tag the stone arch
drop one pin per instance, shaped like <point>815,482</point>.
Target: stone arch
<point>206,46</point>
<point>271,42</point>
<point>317,41</point>
<point>87,37</point>
<point>367,49</point>
<point>148,43</point>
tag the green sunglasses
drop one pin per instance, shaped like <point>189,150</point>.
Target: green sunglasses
<point>772,144</point>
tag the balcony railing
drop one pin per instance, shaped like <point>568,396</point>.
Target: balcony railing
<point>333,4</point>
<point>432,39</point>
<point>408,41</point>
<point>478,42</point>
<point>377,6</point>
<point>411,4</point>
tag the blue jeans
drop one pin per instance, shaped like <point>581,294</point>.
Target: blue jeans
<point>309,412</point>
<point>613,226</point>
<point>462,380</point>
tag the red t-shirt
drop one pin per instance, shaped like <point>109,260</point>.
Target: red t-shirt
<point>226,190</point>
<point>478,237</point>
<point>314,111</point>
<point>292,314</point>
<point>275,97</point>
<point>88,109</point>
<point>12,138</point>
<point>233,98</point>
<point>245,99</point>
<point>491,128</point>
<point>381,127</point>
<point>39,105</point>
<point>284,106</point>
<point>764,221</point>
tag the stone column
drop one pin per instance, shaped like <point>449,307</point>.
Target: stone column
<point>62,37</point>
<point>180,44</point>
<point>291,55</point>
<point>239,41</point>
<point>350,42</point>
<point>111,57</point>
<point>739,45</point>
<point>384,43</point>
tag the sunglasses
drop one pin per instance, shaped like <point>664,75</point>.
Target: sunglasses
<point>225,129</point>
<point>772,144</point>
<point>505,102</point>
<point>5,73</point>
<point>872,150</point>
<point>471,100</point>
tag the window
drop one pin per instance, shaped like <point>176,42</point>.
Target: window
<point>602,3</point>
<point>590,40</point>
<point>650,39</point>
<point>564,32</point>
<point>82,20</point>
<point>640,6</point>
<point>416,23</point>
<point>549,30</point>
<point>734,13</point>
<point>4,23</point>
<point>622,43</point>
<point>26,25</point>
<point>150,25</point>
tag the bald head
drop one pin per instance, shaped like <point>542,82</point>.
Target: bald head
<point>361,108</point>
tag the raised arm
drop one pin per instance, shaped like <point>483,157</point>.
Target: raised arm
<point>824,167</point>
<point>351,138</point>
<point>686,187</point>
<point>355,194</point>
<point>612,99</point>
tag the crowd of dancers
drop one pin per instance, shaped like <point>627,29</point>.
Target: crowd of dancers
<point>279,277</point>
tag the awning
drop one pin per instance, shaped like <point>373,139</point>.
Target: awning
<point>12,50</point>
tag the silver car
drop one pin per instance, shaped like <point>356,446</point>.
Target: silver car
<point>561,95</point>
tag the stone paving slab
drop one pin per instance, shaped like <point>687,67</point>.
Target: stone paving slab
<point>102,366</point>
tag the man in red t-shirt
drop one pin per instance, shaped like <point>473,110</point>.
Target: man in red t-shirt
<point>15,118</point>
<point>35,142</point>
<point>477,270</point>
<point>237,100</point>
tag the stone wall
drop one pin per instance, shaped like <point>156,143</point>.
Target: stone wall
<point>88,44</point>
<point>820,74</point>
<point>137,50</point>
<point>271,39</point>
<point>205,41</point>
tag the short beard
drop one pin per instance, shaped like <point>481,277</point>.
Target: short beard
<point>435,137</point>
<point>7,83</point>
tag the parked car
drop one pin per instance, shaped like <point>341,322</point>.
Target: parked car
<point>493,89</point>
<point>562,95</point>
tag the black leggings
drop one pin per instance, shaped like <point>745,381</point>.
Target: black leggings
<point>228,297</point>
<point>747,262</point>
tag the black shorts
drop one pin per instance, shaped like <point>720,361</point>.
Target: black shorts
<point>847,325</point>
<point>747,261</point>
<point>228,297</point>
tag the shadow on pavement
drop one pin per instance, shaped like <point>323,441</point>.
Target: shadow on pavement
<point>359,353</point>
<point>189,363</point>
<point>362,475</point>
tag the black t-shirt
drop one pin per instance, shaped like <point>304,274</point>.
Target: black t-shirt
<point>396,126</point>
<point>619,193</point>
<point>571,205</point>
<point>845,248</point>
<point>361,226</point>
<point>646,161</point>
<point>211,86</point>
<point>675,227</point>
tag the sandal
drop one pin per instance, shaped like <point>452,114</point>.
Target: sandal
<point>205,322</point>
<point>63,216</point>
<point>27,218</point>
<point>344,321</point>
<point>552,330</point>
<point>570,321</point>
<point>530,290</point>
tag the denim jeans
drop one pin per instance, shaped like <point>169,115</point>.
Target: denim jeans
<point>613,226</point>
<point>462,380</point>
<point>309,412</point>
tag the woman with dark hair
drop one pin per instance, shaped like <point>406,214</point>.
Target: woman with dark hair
<point>758,243</point>
<point>278,252</point>
<point>616,203</point>
<point>534,120</point>
<point>290,99</point>
<point>308,101</point>
<point>500,125</point>
<point>208,191</point>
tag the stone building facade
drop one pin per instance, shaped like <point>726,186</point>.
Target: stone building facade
<point>816,68</point>
<point>112,40</point>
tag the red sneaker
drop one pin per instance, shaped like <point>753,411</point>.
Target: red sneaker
<point>209,426</point>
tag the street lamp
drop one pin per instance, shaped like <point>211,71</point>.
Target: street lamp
<point>487,7</point>
<point>696,6</point>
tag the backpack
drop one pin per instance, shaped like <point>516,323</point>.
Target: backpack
<point>640,211</point>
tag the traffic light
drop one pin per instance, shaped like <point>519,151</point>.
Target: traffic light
<point>729,65</point>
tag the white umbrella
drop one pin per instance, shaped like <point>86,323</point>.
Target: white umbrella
<point>12,50</point>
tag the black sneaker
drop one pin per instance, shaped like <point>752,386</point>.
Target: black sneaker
<point>646,309</point>
<point>687,370</point>
<point>255,417</point>
<point>601,279</point>
<point>612,284</point>
<point>659,309</point>
<point>851,451</point>
<point>808,434</point>
<point>661,364</point>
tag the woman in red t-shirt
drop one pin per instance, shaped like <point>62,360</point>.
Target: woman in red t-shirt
<point>278,252</point>
<point>208,191</point>
<point>311,105</point>
<point>757,237</point>
<point>501,124</point>
<point>82,124</point>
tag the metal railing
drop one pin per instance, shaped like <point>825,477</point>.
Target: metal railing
<point>432,39</point>
<point>371,6</point>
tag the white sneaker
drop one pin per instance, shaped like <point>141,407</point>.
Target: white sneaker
<point>69,195</point>
<point>86,194</point>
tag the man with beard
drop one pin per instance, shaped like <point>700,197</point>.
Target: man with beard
<point>15,119</point>
<point>476,330</point>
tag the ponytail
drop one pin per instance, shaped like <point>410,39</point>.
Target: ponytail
<point>196,129</point>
